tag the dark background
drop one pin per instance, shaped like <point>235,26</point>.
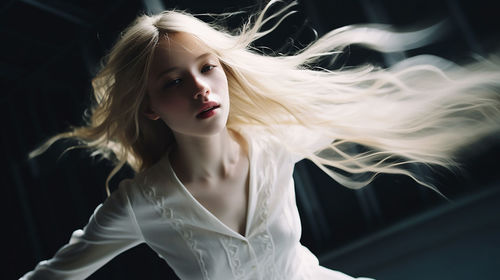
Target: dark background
<point>392,229</point>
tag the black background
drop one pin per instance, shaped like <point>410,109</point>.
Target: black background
<point>51,49</point>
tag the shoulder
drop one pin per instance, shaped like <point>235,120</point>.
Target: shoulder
<point>265,146</point>
<point>146,178</point>
<point>149,186</point>
<point>286,142</point>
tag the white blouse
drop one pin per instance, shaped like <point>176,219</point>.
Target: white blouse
<point>156,208</point>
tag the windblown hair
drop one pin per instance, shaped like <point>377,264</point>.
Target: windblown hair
<point>418,113</point>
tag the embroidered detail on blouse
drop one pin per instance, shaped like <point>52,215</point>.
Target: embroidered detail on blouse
<point>188,237</point>
<point>264,238</point>
<point>265,241</point>
<point>186,234</point>
<point>151,194</point>
<point>232,251</point>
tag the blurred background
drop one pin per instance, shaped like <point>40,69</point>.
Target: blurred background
<point>392,229</point>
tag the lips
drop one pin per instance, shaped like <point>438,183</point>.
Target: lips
<point>206,108</point>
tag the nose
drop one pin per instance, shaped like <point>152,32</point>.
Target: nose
<point>201,88</point>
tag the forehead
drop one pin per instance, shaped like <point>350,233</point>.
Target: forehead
<point>174,48</point>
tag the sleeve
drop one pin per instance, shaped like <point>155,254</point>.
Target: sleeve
<point>111,230</point>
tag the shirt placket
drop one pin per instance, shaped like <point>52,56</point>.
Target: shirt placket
<point>242,258</point>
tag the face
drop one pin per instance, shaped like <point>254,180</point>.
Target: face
<point>187,87</point>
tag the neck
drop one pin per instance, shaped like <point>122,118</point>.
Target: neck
<point>207,158</point>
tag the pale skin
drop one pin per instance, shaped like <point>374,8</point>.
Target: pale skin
<point>210,160</point>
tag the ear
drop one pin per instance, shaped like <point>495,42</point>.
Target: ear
<point>148,112</point>
<point>151,115</point>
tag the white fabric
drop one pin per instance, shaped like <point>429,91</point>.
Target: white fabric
<point>156,208</point>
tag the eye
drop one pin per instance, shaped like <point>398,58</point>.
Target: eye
<point>207,68</point>
<point>172,83</point>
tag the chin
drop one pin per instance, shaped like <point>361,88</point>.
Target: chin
<point>216,126</point>
<point>213,130</point>
<point>206,130</point>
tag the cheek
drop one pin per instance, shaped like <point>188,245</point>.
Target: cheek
<point>222,80</point>
<point>221,87</point>
<point>169,105</point>
<point>171,109</point>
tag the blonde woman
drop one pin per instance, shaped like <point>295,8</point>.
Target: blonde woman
<point>213,129</point>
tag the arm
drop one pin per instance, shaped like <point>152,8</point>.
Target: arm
<point>111,230</point>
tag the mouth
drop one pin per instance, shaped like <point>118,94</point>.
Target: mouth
<point>208,110</point>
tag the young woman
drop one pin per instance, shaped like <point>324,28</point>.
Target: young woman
<point>213,129</point>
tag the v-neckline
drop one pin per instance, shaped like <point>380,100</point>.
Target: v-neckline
<point>250,199</point>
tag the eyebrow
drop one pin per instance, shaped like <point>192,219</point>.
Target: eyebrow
<point>175,67</point>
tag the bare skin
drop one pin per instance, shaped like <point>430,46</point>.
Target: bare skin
<point>210,161</point>
<point>223,190</point>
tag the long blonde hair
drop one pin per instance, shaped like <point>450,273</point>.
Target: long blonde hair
<point>418,113</point>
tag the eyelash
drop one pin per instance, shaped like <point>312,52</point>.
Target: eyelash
<point>172,83</point>
<point>204,69</point>
<point>209,66</point>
